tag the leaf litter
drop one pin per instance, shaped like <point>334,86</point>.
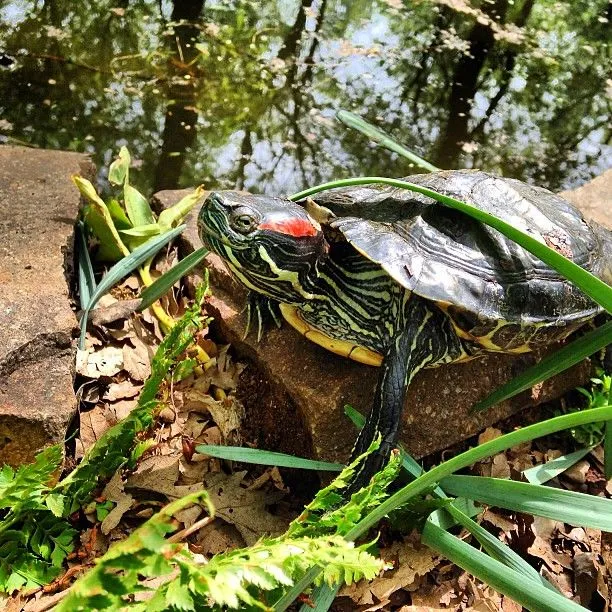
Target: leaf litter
<point>201,407</point>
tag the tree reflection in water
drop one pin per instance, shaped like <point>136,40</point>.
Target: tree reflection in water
<point>242,93</point>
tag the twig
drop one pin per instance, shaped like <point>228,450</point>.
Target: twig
<point>181,535</point>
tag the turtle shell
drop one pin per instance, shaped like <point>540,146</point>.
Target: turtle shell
<point>470,269</point>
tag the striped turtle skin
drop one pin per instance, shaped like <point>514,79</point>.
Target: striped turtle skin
<point>389,277</point>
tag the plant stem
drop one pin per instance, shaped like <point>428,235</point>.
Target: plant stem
<point>165,320</point>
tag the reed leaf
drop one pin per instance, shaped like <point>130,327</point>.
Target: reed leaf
<point>161,285</point>
<point>377,135</point>
<point>264,457</point>
<point>557,504</point>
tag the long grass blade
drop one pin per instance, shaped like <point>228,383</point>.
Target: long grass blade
<point>322,597</point>
<point>87,280</point>
<point>122,268</point>
<point>533,595</point>
<point>162,285</point>
<point>592,286</point>
<point>263,457</point>
<point>540,474</point>
<point>560,505</point>
<point>493,547</point>
<point>378,136</point>
<point>562,359</point>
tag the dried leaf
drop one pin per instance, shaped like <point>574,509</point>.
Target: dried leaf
<point>114,492</point>
<point>244,508</point>
<point>137,360</point>
<point>122,390</point>
<point>108,361</point>
<point>409,563</point>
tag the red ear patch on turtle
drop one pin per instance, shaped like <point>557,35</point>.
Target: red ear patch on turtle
<point>293,227</point>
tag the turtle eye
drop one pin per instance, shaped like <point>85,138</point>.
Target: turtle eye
<point>243,220</point>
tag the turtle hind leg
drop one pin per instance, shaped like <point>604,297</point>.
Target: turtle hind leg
<point>263,311</point>
<point>424,336</point>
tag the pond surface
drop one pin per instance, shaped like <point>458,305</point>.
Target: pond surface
<point>244,94</point>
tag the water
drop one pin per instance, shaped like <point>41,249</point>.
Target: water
<point>243,94</point>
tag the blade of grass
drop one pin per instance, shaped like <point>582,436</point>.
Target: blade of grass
<point>560,360</point>
<point>122,268</point>
<point>162,285</point>
<point>558,504</point>
<point>322,597</point>
<point>87,281</point>
<point>263,457</point>
<point>492,546</point>
<point>540,474</point>
<point>534,596</point>
<point>377,135</point>
<point>592,286</point>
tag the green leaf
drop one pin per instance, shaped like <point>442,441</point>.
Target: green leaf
<point>175,214</point>
<point>540,474</point>
<point>263,457</point>
<point>137,207</point>
<point>560,360</point>
<point>87,281</point>
<point>123,268</point>
<point>153,229</point>
<point>592,286</point>
<point>178,596</point>
<point>119,169</point>
<point>377,135</point>
<point>323,597</point>
<point>534,596</point>
<point>98,219</point>
<point>565,506</point>
<point>154,291</point>
<point>467,458</point>
<point>118,215</point>
<point>114,448</point>
<point>493,547</point>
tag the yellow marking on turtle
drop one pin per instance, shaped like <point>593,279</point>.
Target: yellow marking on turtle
<point>340,347</point>
<point>285,275</point>
<point>486,340</point>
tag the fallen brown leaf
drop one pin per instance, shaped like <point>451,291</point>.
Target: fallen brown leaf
<point>114,492</point>
<point>244,508</point>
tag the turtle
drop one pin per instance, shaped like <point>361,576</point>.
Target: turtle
<point>390,278</point>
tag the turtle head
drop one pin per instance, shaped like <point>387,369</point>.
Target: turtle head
<point>270,244</point>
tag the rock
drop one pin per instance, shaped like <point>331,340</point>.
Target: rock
<point>38,208</point>
<point>294,391</point>
<point>594,199</point>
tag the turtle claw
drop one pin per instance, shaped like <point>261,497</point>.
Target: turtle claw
<point>263,309</point>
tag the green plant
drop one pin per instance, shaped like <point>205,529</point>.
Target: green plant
<point>235,579</point>
<point>599,394</point>
<point>35,535</point>
<point>129,234</point>
<point>34,538</point>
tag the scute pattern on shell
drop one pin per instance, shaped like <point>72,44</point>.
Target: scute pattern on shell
<point>447,257</point>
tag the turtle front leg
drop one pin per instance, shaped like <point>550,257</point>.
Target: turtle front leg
<point>263,310</point>
<point>423,336</point>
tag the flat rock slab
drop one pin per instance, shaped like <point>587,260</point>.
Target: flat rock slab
<point>38,209</point>
<point>294,391</point>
